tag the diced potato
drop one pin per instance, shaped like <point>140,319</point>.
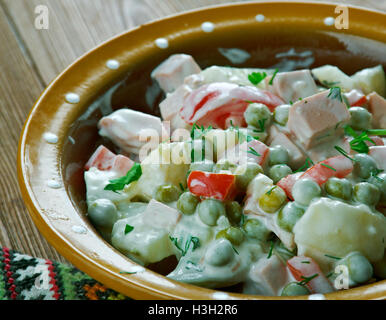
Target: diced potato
<point>336,228</point>
<point>168,164</point>
<point>331,76</point>
<point>146,243</point>
<point>371,79</point>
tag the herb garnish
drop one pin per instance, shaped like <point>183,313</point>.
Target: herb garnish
<point>377,132</point>
<point>327,166</point>
<point>270,190</point>
<point>306,261</point>
<point>132,175</point>
<point>308,163</point>
<point>344,153</point>
<point>273,76</point>
<point>261,123</point>
<point>374,173</point>
<point>329,83</point>
<point>271,249</point>
<point>191,240</point>
<point>332,257</point>
<point>256,77</point>
<point>128,228</point>
<point>307,279</point>
<point>358,143</point>
<point>182,187</point>
<point>254,152</point>
<point>234,249</point>
<point>335,93</point>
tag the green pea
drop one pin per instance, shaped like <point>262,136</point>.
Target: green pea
<point>279,171</point>
<point>289,215</point>
<point>294,289</point>
<point>339,188</point>
<point>224,165</point>
<point>234,211</point>
<point>366,193</point>
<point>359,268</point>
<point>103,213</point>
<point>219,253</point>
<point>210,210</point>
<point>167,193</point>
<point>245,174</point>
<point>360,118</point>
<point>278,155</point>
<point>206,165</point>
<point>187,203</point>
<point>272,200</point>
<point>364,165</point>
<point>255,229</point>
<point>280,115</point>
<point>305,190</point>
<point>380,182</point>
<point>256,113</point>
<point>233,234</point>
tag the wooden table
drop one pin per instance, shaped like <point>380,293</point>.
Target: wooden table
<point>31,58</point>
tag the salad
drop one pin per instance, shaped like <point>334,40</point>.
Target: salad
<point>255,180</point>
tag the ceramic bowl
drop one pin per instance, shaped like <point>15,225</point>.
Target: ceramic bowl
<point>60,132</point>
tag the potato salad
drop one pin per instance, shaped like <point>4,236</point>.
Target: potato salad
<point>257,181</point>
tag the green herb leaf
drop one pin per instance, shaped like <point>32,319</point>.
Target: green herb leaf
<point>132,175</point>
<point>327,166</point>
<point>305,261</point>
<point>234,249</point>
<point>261,123</point>
<point>254,152</point>
<point>335,93</point>
<point>271,249</point>
<point>308,163</point>
<point>332,257</point>
<point>270,190</point>
<point>128,229</point>
<point>307,279</point>
<point>191,240</point>
<point>273,76</point>
<point>256,77</point>
<point>377,132</point>
<point>329,83</point>
<point>344,153</point>
<point>374,173</point>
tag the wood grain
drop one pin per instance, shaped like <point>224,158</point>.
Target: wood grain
<point>31,58</point>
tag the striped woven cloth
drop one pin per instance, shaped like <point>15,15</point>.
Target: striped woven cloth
<point>23,277</point>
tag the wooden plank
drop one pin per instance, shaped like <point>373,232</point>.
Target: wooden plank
<point>19,87</point>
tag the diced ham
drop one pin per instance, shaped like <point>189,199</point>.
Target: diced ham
<point>160,215</point>
<point>356,98</point>
<point>293,85</point>
<point>377,106</point>
<point>215,103</point>
<point>171,73</point>
<point>130,130</point>
<point>316,119</point>
<point>105,160</point>
<point>338,166</point>
<point>379,155</point>
<point>279,138</point>
<point>307,270</point>
<point>268,276</point>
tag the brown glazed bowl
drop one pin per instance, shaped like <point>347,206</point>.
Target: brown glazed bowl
<point>51,173</point>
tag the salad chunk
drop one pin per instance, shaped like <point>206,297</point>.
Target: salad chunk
<point>271,181</point>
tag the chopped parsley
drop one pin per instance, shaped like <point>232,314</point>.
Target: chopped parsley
<point>128,228</point>
<point>374,173</point>
<point>327,166</point>
<point>273,77</point>
<point>234,249</point>
<point>335,93</point>
<point>256,77</point>
<point>191,240</point>
<point>261,123</point>
<point>271,249</point>
<point>132,175</point>
<point>193,265</point>
<point>182,187</point>
<point>254,152</point>
<point>358,144</point>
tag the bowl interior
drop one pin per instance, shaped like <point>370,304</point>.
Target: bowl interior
<point>287,44</point>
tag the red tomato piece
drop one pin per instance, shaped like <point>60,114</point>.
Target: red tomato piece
<point>356,98</point>
<point>219,186</point>
<point>338,166</point>
<point>307,271</point>
<point>217,103</point>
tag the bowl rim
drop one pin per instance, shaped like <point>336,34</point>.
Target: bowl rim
<point>100,272</point>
